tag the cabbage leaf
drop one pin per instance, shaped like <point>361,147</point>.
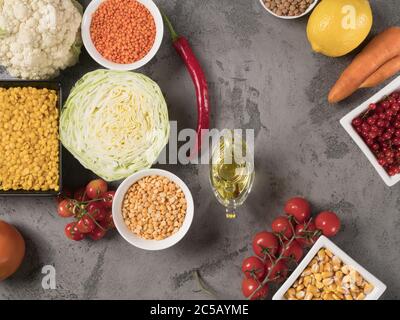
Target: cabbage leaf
<point>115,123</point>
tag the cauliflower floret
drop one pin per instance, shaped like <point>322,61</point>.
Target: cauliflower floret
<point>38,37</point>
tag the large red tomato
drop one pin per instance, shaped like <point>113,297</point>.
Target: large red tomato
<point>12,250</point>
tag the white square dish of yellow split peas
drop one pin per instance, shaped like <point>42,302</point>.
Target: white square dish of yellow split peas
<point>328,273</point>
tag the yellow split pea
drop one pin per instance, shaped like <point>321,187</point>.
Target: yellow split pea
<point>154,208</point>
<point>29,145</point>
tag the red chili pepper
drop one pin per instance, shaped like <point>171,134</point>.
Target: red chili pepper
<point>181,44</point>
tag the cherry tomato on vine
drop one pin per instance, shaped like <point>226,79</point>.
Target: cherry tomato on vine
<point>72,232</point>
<point>96,211</point>
<point>282,226</point>
<point>265,243</point>
<point>307,233</point>
<point>292,250</point>
<point>97,233</point>
<point>278,272</point>
<point>108,198</point>
<point>65,194</point>
<point>254,267</point>
<point>66,208</point>
<point>96,188</point>
<point>108,220</point>
<point>80,195</point>
<point>299,208</point>
<point>328,222</point>
<point>85,224</point>
<point>251,285</point>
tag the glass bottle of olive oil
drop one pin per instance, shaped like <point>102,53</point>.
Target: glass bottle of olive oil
<point>231,172</point>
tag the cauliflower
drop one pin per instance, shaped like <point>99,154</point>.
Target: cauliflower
<point>38,38</point>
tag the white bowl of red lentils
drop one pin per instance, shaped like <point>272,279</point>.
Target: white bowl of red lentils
<point>122,34</point>
<point>153,209</point>
<point>289,9</point>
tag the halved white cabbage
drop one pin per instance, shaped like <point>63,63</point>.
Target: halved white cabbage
<point>115,123</point>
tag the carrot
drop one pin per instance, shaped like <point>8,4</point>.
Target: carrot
<point>386,71</point>
<point>380,50</point>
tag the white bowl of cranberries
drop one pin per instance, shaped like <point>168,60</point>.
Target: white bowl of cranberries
<point>375,128</point>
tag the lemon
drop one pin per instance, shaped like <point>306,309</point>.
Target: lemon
<point>337,27</point>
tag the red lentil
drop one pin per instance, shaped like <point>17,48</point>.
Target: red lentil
<point>123,31</point>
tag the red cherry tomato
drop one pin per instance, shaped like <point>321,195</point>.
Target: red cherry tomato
<point>97,233</point>
<point>96,188</point>
<point>253,267</point>
<point>109,221</point>
<point>251,285</point>
<point>328,222</point>
<point>65,194</point>
<point>282,226</point>
<point>307,233</point>
<point>277,273</point>
<point>80,195</point>
<point>108,198</point>
<point>85,224</point>
<point>292,250</point>
<point>66,208</point>
<point>265,243</point>
<point>72,232</point>
<point>96,211</point>
<point>299,208</point>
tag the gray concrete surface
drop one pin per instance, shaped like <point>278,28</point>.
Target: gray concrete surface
<point>262,75</point>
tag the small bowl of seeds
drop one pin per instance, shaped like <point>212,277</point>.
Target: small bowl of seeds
<point>289,9</point>
<point>153,209</point>
<point>328,273</point>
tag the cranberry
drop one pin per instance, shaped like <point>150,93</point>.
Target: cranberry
<point>389,113</point>
<point>357,122</point>
<point>397,124</point>
<point>382,116</point>
<point>385,104</point>
<point>391,130</point>
<point>396,141</point>
<point>369,141</point>
<point>371,121</point>
<point>389,160</point>
<point>372,134</point>
<point>396,107</point>
<point>375,147</point>
<point>382,161</point>
<point>372,106</point>
<point>365,127</point>
<point>397,133</point>
<point>381,123</point>
<point>389,154</point>
<point>386,136</point>
<point>392,171</point>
